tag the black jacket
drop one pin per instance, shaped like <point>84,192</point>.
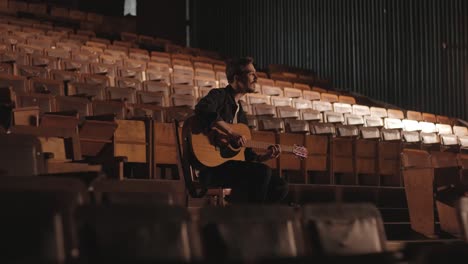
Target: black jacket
<point>219,104</point>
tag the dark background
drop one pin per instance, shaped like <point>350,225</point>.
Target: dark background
<point>410,53</point>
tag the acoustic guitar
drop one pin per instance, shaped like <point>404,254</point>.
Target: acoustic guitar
<point>213,149</point>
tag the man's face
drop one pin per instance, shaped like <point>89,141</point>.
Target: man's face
<point>247,80</point>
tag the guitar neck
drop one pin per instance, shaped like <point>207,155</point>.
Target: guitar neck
<point>265,145</point>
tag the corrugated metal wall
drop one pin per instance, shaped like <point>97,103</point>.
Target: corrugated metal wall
<point>410,53</point>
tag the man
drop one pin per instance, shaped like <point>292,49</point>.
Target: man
<point>251,181</point>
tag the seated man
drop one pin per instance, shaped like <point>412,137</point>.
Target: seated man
<point>251,181</point>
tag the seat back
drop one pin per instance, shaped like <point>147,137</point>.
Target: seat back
<point>139,234</point>
<point>462,212</point>
<point>250,233</point>
<point>184,157</point>
<point>345,229</point>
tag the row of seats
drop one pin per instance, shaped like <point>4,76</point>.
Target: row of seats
<point>130,222</point>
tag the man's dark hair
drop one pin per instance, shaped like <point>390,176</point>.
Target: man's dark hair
<point>236,67</point>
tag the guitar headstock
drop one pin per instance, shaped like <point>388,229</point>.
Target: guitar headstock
<point>300,151</point>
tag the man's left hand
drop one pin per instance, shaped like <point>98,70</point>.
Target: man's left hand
<point>273,152</point>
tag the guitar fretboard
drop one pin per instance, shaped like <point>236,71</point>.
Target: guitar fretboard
<point>265,145</point>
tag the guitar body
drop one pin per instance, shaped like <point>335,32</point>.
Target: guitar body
<point>211,155</point>
<point>200,150</point>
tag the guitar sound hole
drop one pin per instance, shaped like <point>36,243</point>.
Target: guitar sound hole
<point>227,152</point>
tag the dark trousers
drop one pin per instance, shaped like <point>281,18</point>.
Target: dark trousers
<point>251,182</point>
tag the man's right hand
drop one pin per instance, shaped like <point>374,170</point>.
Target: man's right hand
<point>237,140</point>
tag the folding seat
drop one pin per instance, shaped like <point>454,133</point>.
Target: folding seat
<point>45,43</point>
<point>376,117</point>
<point>317,164</point>
<point>52,202</point>
<point>25,116</point>
<point>443,120</point>
<point>93,50</point>
<point>154,75</point>
<point>128,37</point>
<point>428,117</point>
<point>45,62</point>
<point>462,134</point>
<point>264,80</point>
<point>271,90</point>
<point>301,86</point>
<point>45,102</point>
<point>311,95</point>
<point>84,32</point>
<point>18,84</point>
<point>58,53</point>
<point>139,56</point>
<point>119,45</point>
<point>219,67</point>
<point>68,45</point>
<point>184,100</point>
<point>202,63</point>
<point>346,230</point>
<point>65,76</point>
<point>203,91</point>
<point>389,157</point>
<point>157,86</point>
<point>366,156</point>
<point>153,98</point>
<point>135,64</point>
<point>283,84</point>
<point>110,59</point>
<point>125,82</point>
<point>413,115</point>
<point>74,66</point>
<point>333,117</point>
<point>85,56</point>
<point>134,51</point>
<point>292,92</point>
<point>136,73</point>
<point>181,89</point>
<point>161,57</point>
<point>320,90</point>
<point>326,107</point>
<point>74,103</point>
<point>342,108</point>
<point>47,86</point>
<point>328,97</point>
<point>117,108</point>
<point>183,72</point>
<point>169,236</point>
<point>116,53</point>
<point>448,141</point>
<point>29,49</point>
<point>342,154</point>
<point>346,99</point>
<point>300,103</point>
<point>94,91</point>
<point>127,94</point>
<point>205,78</point>
<point>154,112</point>
<point>429,138</point>
<point>59,35</point>
<point>356,117</point>
<point>95,40</point>
<point>431,177</point>
<point>268,234</point>
<point>14,59</point>
<point>102,80</point>
<point>291,161</point>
